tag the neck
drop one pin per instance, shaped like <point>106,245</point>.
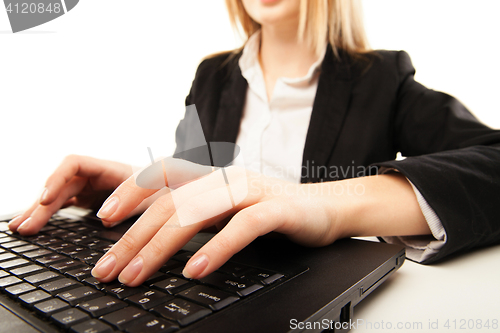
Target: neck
<point>282,54</point>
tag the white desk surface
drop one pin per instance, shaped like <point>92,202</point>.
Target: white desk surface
<point>457,295</point>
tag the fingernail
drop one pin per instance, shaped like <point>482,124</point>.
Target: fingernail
<point>104,266</point>
<point>131,271</point>
<point>24,225</point>
<point>195,267</point>
<point>44,195</point>
<point>108,208</point>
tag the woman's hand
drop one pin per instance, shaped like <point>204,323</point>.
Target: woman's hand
<point>310,214</point>
<point>79,180</point>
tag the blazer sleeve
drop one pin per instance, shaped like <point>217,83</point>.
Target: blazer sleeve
<point>452,159</point>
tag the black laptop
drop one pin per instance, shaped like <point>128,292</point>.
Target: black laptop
<point>273,285</point>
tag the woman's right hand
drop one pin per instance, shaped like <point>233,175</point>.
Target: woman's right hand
<point>81,181</point>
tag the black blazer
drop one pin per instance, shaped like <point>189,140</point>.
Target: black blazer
<point>365,111</point>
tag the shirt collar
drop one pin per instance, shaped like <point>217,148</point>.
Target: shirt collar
<point>250,66</point>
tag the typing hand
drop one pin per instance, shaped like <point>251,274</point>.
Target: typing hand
<point>260,205</point>
<point>79,180</point>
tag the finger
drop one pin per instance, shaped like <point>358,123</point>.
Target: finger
<point>171,172</point>
<point>72,165</point>
<point>42,213</point>
<point>123,201</point>
<point>19,219</point>
<point>173,235</point>
<point>128,196</point>
<point>146,203</point>
<point>153,219</point>
<point>248,224</point>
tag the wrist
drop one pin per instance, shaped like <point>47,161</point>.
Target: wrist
<point>383,205</point>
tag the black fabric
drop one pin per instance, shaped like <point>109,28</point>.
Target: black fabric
<point>364,113</point>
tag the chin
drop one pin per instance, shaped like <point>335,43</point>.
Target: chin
<point>272,11</point>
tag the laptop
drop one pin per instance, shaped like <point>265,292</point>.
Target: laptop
<point>273,285</point>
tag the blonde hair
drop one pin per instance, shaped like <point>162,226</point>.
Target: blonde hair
<point>339,22</point>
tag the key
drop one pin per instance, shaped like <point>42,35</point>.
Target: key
<point>52,259</point>
<point>65,234</point>
<point>27,270</point>
<point>25,248</point>
<point>69,317</point>
<point>59,286</point>
<point>47,308</point>
<point>19,289</point>
<point>149,299</point>
<point>17,243</point>
<point>47,241</point>
<point>94,242</point>
<point>3,273</point>
<point>103,248</point>
<point>231,284</point>
<point>84,230</point>
<point>73,250</point>
<point>80,273</point>
<point>13,263</point>
<point>172,285</point>
<point>93,261</point>
<point>155,325</point>
<point>55,223</point>
<point>101,306</point>
<point>181,311</point>
<point>121,319</point>
<point>8,281</point>
<point>48,228</point>
<point>93,282</point>
<point>67,265</point>
<point>34,297</point>
<point>42,277</point>
<point>77,239</point>
<point>53,232</point>
<point>59,246</point>
<point>213,298</point>
<point>68,224</point>
<point>7,256</point>
<point>81,294</point>
<point>183,257</point>
<point>263,276</point>
<point>37,253</point>
<point>122,291</point>
<point>36,238</point>
<point>88,255</point>
<point>234,269</point>
<point>177,271</point>
<point>7,239</point>
<point>158,276</point>
<point>69,236</point>
<point>171,264</point>
<point>91,326</point>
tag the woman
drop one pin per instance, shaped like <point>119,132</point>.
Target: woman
<point>307,96</point>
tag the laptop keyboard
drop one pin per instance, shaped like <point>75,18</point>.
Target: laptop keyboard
<point>49,273</point>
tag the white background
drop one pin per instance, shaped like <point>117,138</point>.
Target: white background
<point>109,78</point>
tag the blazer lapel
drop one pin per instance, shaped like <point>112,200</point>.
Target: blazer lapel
<point>232,99</point>
<point>329,110</point>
